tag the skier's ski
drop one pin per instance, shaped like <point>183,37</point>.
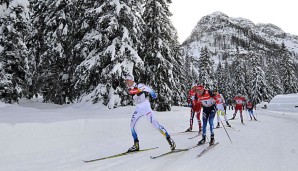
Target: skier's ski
<point>175,151</point>
<point>231,128</point>
<point>179,133</point>
<point>207,148</point>
<point>195,136</point>
<point>255,120</point>
<point>120,154</point>
<point>170,152</point>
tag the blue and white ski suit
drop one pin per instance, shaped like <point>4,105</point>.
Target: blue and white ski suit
<point>140,96</point>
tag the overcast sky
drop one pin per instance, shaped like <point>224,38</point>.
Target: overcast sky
<point>186,13</point>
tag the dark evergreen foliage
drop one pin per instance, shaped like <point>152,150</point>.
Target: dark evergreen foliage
<point>287,68</point>
<point>161,56</point>
<point>14,75</point>
<point>206,69</point>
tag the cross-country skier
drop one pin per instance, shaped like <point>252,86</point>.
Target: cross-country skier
<point>195,109</point>
<point>239,103</point>
<point>250,106</point>
<point>140,93</point>
<point>220,102</point>
<point>206,97</point>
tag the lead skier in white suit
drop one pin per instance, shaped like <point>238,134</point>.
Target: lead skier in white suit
<point>140,94</point>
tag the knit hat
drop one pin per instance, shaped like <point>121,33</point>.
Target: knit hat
<point>129,77</point>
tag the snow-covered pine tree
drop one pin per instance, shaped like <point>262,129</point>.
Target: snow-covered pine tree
<point>14,27</point>
<point>219,78</point>
<point>57,25</point>
<point>222,77</point>
<point>272,76</point>
<point>288,77</point>
<point>237,75</point>
<point>206,70</point>
<point>258,89</point>
<point>36,42</point>
<point>192,72</point>
<point>165,71</point>
<point>229,90</point>
<point>110,49</point>
<point>179,72</point>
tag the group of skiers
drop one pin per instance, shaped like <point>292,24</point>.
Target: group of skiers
<point>212,102</point>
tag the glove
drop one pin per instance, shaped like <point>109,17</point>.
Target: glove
<point>153,95</point>
<point>188,100</point>
<point>133,91</point>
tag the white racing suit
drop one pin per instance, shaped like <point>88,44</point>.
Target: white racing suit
<point>140,96</point>
<point>220,108</point>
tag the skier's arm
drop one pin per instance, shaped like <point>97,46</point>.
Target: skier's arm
<point>134,90</point>
<point>145,88</point>
<point>223,99</point>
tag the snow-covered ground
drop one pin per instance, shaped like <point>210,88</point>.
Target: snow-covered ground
<point>40,137</point>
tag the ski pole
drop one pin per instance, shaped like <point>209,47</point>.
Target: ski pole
<point>225,129</point>
<point>256,113</point>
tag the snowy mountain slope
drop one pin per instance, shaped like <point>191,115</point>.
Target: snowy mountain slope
<point>37,136</point>
<point>219,33</point>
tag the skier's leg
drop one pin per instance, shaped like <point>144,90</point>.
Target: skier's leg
<point>241,116</point>
<point>199,119</point>
<point>192,113</point>
<point>211,119</point>
<point>205,117</point>
<point>234,115</point>
<point>252,113</point>
<point>134,119</point>
<point>225,117</point>
<point>218,118</point>
<point>153,121</point>
<point>162,130</point>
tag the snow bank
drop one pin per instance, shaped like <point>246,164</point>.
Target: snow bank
<point>284,103</point>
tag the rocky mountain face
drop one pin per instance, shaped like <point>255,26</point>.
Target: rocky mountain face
<point>223,35</point>
<point>256,60</point>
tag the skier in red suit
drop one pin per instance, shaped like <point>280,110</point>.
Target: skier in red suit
<point>195,109</point>
<point>239,103</point>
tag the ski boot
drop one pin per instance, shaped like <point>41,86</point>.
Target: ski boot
<point>203,140</point>
<point>189,129</point>
<point>171,143</point>
<point>135,147</point>
<point>228,125</point>
<point>255,119</point>
<point>200,130</point>
<point>218,125</point>
<point>232,118</point>
<point>242,121</point>
<point>211,140</point>
<point>250,118</point>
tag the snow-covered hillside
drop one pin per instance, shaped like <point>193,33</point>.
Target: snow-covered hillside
<point>36,136</point>
<point>218,32</point>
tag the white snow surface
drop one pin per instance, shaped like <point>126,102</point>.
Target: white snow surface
<point>37,136</point>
